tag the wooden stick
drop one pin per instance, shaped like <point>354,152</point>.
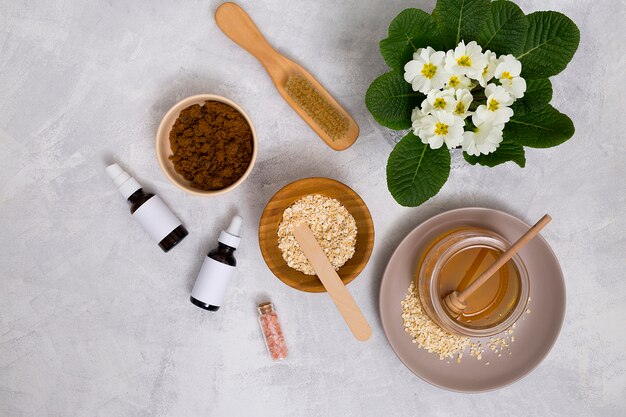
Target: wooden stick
<point>455,301</point>
<point>326,273</point>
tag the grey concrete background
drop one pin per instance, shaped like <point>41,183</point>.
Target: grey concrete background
<point>94,318</point>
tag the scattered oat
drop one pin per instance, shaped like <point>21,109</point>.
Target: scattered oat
<point>332,225</point>
<point>476,350</point>
<point>428,335</point>
<point>500,343</point>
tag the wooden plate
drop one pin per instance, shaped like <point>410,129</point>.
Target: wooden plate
<point>273,215</point>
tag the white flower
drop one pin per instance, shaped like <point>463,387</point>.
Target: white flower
<point>466,59</point>
<point>497,90</point>
<point>496,110</point>
<point>458,81</point>
<point>490,69</point>
<point>441,127</point>
<point>508,72</point>
<point>463,99</point>
<point>439,100</point>
<point>416,118</point>
<point>426,71</point>
<point>484,139</point>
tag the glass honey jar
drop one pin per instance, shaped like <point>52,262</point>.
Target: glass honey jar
<point>454,260</point>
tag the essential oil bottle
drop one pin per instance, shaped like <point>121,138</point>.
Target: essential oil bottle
<point>149,210</point>
<point>218,269</point>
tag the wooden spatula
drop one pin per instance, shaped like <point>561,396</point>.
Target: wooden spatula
<point>299,88</point>
<point>327,274</point>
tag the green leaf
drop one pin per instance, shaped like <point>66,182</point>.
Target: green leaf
<point>504,30</point>
<point>507,151</point>
<point>415,172</point>
<point>390,100</point>
<point>538,95</point>
<point>460,19</point>
<point>540,129</point>
<point>551,43</point>
<point>410,30</point>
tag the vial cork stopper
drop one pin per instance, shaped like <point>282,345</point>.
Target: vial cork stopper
<point>230,236</point>
<point>265,308</point>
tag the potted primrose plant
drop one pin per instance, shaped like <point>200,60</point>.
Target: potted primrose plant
<point>473,75</point>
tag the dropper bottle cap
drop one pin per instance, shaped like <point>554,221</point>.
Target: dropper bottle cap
<point>126,184</point>
<point>230,237</point>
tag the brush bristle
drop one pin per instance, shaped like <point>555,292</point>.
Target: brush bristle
<point>320,110</point>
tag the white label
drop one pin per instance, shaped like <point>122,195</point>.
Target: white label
<point>212,282</point>
<point>156,218</point>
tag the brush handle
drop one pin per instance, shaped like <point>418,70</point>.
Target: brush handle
<point>506,256</point>
<point>238,26</point>
<point>326,273</point>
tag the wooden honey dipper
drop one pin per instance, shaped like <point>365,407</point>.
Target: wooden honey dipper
<point>454,303</point>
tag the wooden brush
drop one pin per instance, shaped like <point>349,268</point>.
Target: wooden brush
<point>299,88</point>
<point>454,303</point>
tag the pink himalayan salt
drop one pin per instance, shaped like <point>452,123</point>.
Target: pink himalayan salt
<point>272,332</point>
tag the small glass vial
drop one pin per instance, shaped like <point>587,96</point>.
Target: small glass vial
<point>272,332</point>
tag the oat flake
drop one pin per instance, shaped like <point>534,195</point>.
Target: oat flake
<point>332,225</point>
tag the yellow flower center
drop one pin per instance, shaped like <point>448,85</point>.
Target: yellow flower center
<point>464,61</point>
<point>429,70</point>
<point>439,103</point>
<point>454,81</point>
<point>493,105</point>
<point>460,108</point>
<point>441,129</point>
<point>485,70</point>
<point>506,76</point>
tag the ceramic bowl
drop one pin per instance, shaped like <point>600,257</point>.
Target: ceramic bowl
<point>164,151</point>
<point>273,215</point>
<point>535,332</point>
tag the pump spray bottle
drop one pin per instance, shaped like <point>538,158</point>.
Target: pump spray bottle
<point>218,269</point>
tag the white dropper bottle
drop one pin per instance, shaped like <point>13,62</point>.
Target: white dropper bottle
<point>149,210</point>
<point>218,269</point>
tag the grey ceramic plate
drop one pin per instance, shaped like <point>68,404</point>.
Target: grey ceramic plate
<point>534,334</point>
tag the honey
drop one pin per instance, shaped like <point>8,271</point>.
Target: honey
<point>452,261</point>
<point>494,301</point>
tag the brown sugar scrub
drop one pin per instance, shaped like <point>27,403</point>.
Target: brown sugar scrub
<point>211,144</point>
